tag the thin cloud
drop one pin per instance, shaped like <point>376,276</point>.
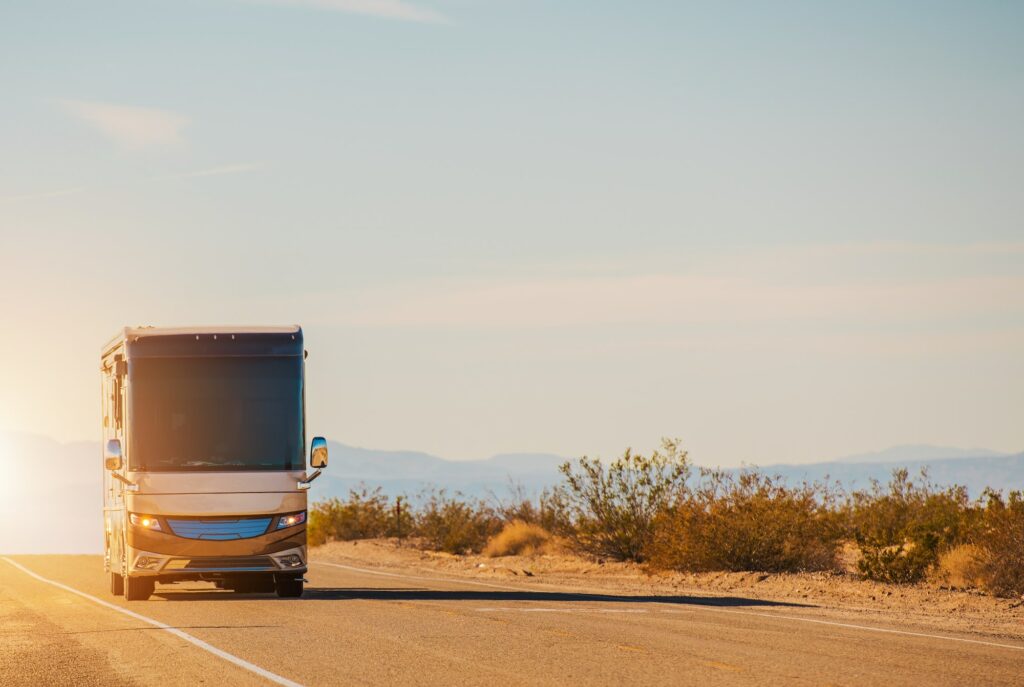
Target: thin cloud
<point>768,288</point>
<point>386,9</point>
<point>665,299</point>
<point>236,168</point>
<point>134,128</point>
<point>42,195</point>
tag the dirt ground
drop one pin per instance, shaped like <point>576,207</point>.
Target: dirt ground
<point>925,606</point>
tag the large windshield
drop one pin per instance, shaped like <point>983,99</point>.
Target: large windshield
<point>216,414</point>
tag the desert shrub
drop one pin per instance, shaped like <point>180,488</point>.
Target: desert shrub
<point>959,566</point>
<point>1001,540</point>
<point>548,510</point>
<point>749,521</point>
<point>401,518</point>
<point>902,528</point>
<point>364,514</point>
<point>455,525</point>
<point>518,538</point>
<point>612,509</point>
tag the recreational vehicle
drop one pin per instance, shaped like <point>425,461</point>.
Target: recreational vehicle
<point>204,456</point>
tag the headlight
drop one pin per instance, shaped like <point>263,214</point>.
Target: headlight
<point>291,520</point>
<point>146,522</point>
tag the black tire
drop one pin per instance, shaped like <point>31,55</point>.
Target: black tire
<point>138,588</point>
<point>289,587</point>
<point>116,584</point>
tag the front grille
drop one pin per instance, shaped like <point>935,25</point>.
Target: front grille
<point>207,564</point>
<point>220,529</point>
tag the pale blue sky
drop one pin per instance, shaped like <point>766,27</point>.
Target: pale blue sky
<point>779,231</point>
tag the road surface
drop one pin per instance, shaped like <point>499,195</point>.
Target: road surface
<point>363,626</point>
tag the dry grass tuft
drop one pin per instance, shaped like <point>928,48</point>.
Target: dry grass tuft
<point>518,538</point>
<point>960,566</point>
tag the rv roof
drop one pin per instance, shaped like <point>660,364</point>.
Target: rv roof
<point>178,331</point>
<point>135,334</point>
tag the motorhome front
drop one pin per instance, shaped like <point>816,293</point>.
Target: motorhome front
<point>204,456</point>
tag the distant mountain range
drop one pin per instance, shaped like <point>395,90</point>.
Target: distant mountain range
<point>975,469</point>
<point>51,492</point>
<point>917,453</point>
<point>408,472</point>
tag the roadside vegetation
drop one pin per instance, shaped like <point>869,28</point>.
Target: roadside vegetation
<point>660,511</point>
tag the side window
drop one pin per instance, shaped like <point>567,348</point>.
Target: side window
<point>113,397</point>
<point>105,398</point>
<point>117,394</point>
<point>117,404</point>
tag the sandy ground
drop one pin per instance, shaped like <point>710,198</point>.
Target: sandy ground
<point>925,606</point>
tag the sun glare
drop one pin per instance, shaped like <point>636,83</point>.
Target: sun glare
<point>7,487</point>
<point>14,471</point>
<point>6,454</point>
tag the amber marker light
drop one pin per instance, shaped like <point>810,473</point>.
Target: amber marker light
<point>145,521</point>
<point>291,520</point>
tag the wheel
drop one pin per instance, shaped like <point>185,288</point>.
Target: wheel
<point>138,588</point>
<point>289,587</point>
<point>116,584</point>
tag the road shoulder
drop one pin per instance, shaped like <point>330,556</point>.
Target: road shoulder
<point>814,595</point>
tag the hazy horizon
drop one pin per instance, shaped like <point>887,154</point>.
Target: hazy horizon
<point>889,454</point>
<point>72,472</point>
<point>777,232</point>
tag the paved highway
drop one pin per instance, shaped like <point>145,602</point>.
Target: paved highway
<point>59,625</point>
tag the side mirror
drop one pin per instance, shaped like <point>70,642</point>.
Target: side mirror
<point>318,453</point>
<point>112,455</point>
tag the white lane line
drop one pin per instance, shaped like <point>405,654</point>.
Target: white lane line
<point>240,662</point>
<point>835,623</point>
<point>716,609</point>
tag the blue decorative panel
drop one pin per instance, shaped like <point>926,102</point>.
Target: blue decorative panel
<point>242,528</point>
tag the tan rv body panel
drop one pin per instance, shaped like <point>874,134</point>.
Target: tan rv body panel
<point>219,505</point>
<point>216,493</point>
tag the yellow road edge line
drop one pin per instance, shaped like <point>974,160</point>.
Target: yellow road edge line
<point>231,658</point>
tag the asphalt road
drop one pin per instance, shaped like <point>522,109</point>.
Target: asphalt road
<point>59,625</point>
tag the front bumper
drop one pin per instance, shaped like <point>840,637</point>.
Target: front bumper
<point>144,563</point>
<point>169,556</point>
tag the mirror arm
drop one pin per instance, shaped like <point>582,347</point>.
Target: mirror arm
<point>128,484</point>
<point>305,484</point>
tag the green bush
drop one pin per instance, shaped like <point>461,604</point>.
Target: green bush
<point>364,515</point>
<point>749,521</point>
<point>612,509</point>
<point>548,510</point>
<point>454,525</point>
<point>1001,540</point>
<point>902,529</point>
<point>641,508</point>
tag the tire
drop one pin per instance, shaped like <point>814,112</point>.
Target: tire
<point>138,588</point>
<point>289,587</point>
<point>116,584</point>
